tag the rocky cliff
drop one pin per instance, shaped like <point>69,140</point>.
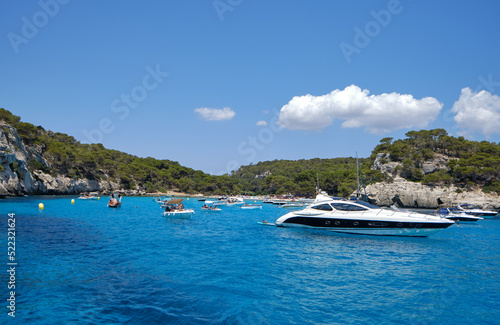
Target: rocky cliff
<point>404,193</point>
<point>416,195</point>
<point>16,178</point>
<point>395,169</point>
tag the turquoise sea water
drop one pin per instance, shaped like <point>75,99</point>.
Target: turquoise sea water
<point>89,264</point>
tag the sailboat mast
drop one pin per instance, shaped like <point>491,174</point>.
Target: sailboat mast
<point>357,174</point>
<point>317,183</point>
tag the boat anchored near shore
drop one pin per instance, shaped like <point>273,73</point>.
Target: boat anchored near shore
<point>115,201</point>
<point>175,209</point>
<point>251,206</point>
<point>456,215</point>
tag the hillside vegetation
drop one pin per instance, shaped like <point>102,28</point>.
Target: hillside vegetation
<point>472,164</point>
<point>67,156</point>
<point>336,176</point>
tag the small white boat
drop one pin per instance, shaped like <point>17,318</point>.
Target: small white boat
<point>235,201</point>
<point>475,211</point>
<point>179,214</point>
<point>115,201</point>
<point>89,196</point>
<point>456,215</point>
<point>251,206</point>
<point>162,200</point>
<point>211,208</point>
<point>227,201</point>
<point>175,209</point>
<point>293,205</point>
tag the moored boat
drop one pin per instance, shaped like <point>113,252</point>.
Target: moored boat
<point>227,201</point>
<point>211,208</point>
<point>471,209</point>
<point>175,209</point>
<point>251,206</point>
<point>293,205</point>
<point>115,201</point>
<point>456,215</point>
<point>89,196</point>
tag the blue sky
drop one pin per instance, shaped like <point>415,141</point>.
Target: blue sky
<point>218,84</point>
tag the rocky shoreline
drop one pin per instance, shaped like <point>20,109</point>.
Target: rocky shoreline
<point>416,195</point>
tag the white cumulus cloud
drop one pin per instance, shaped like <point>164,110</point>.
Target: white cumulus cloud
<point>377,113</point>
<point>261,123</point>
<point>477,112</point>
<point>215,114</point>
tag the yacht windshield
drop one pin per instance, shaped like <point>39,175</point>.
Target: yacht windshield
<point>325,207</point>
<point>368,205</point>
<point>347,207</point>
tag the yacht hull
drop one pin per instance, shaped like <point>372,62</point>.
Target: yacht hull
<point>483,214</point>
<point>365,227</point>
<point>465,218</point>
<point>186,214</point>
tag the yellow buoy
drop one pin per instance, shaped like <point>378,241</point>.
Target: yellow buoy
<point>72,201</point>
<point>40,206</point>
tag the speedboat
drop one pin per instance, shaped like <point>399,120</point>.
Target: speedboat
<point>251,206</point>
<point>89,196</point>
<point>213,208</point>
<point>293,205</point>
<point>359,217</point>
<point>175,209</point>
<point>227,201</point>
<point>475,211</point>
<point>456,215</point>
<point>115,201</point>
<point>234,201</point>
<point>159,200</point>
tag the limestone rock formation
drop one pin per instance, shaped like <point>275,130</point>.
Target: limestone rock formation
<point>385,165</point>
<point>17,179</point>
<point>416,195</point>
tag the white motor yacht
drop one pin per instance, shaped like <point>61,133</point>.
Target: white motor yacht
<point>475,211</point>
<point>359,217</point>
<point>456,215</point>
